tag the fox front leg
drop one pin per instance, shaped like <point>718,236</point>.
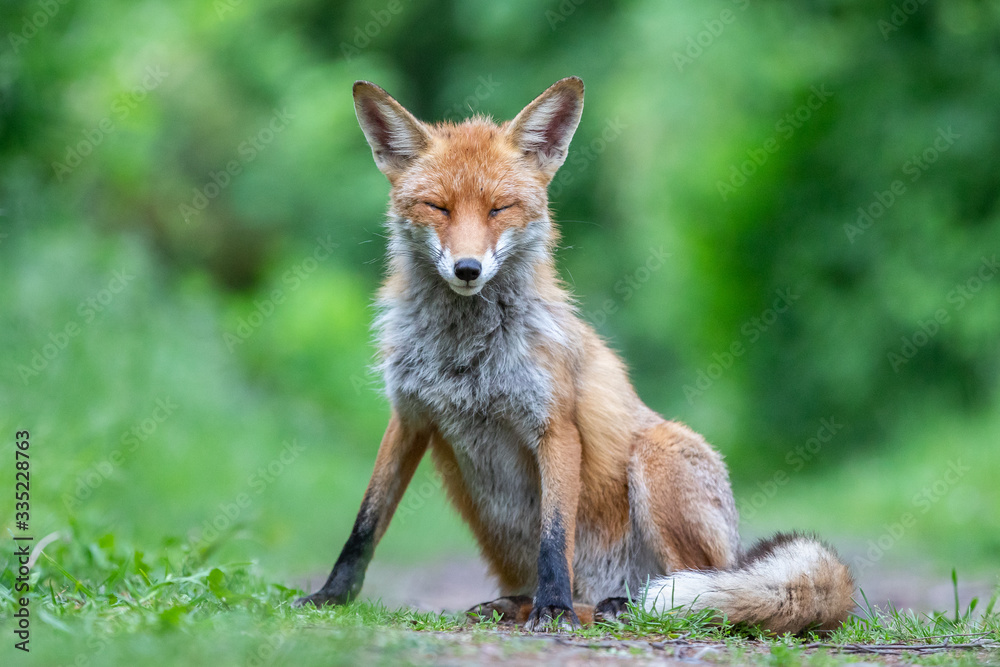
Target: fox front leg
<point>348,574</point>
<point>401,450</point>
<point>559,455</point>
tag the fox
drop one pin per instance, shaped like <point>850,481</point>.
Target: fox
<point>582,499</point>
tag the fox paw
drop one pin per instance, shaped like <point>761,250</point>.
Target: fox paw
<point>322,599</point>
<point>552,618</point>
<point>511,609</point>
<point>611,610</point>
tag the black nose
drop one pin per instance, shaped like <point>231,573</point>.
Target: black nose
<point>468,269</point>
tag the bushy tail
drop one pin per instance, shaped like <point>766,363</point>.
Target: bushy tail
<point>788,583</point>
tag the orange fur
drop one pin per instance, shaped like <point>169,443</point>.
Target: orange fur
<point>398,456</point>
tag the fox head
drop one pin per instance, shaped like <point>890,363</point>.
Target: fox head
<point>467,198</point>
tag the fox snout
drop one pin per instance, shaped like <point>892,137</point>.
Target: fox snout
<point>465,276</point>
<point>467,273</point>
<point>468,269</point>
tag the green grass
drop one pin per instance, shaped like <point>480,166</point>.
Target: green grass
<point>102,602</point>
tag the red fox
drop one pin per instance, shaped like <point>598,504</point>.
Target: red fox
<point>577,493</point>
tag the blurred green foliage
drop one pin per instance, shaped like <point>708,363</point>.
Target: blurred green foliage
<point>210,150</point>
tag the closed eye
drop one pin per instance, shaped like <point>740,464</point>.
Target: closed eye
<point>495,211</point>
<point>440,209</point>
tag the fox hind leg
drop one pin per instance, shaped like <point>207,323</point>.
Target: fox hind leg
<point>681,500</point>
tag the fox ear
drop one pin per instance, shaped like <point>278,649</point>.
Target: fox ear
<point>545,127</point>
<point>396,137</point>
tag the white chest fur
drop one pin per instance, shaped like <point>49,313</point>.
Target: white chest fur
<point>469,367</point>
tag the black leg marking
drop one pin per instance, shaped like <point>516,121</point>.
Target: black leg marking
<point>554,600</point>
<point>344,582</point>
